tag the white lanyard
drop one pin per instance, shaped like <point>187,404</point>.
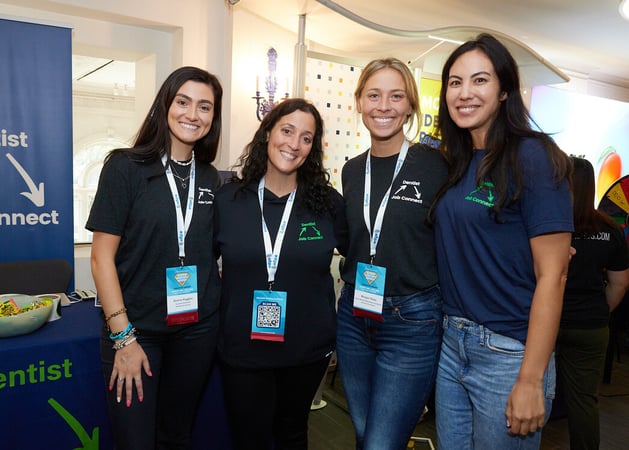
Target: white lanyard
<point>273,252</point>
<point>377,226</point>
<point>182,227</point>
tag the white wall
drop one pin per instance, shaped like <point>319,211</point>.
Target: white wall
<point>249,60</point>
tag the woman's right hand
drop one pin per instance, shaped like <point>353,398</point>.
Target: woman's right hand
<point>128,364</point>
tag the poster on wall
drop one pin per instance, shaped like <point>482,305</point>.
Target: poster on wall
<point>591,127</point>
<point>429,91</point>
<point>35,142</point>
<point>330,87</point>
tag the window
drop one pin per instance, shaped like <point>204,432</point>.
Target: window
<point>104,118</point>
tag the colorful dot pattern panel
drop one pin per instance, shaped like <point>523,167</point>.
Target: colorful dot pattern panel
<point>330,87</point>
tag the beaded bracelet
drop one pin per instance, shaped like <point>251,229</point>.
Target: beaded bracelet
<point>114,314</point>
<point>122,334</point>
<point>128,341</point>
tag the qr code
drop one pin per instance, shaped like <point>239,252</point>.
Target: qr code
<point>268,315</point>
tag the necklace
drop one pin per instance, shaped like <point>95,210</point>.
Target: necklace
<point>182,180</point>
<point>182,163</point>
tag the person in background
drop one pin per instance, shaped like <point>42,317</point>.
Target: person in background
<point>389,313</point>
<point>153,266</point>
<point>502,227</point>
<point>277,225</point>
<point>598,277</point>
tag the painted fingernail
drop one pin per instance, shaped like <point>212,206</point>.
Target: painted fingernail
<point>128,403</point>
<point>118,399</point>
<point>141,399</point>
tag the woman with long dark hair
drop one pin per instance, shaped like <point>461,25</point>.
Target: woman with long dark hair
<point>503,227</point>
<point>598,277</point>
<point>277,225</point>
<point>153,266</point>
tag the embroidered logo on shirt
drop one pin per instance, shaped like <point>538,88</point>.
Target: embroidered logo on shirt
<point>205,196</point>
<point>309,232</point>
<point>483,194</point>
<point>408,191</point>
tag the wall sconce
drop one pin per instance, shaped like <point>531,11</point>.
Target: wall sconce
<point>264,105</point>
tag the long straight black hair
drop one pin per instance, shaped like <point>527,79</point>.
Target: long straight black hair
<point>153,139</point>
<point>587,219</point>
<point>513,123</point>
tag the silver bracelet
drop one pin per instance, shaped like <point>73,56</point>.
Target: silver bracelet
<point>127,341</point>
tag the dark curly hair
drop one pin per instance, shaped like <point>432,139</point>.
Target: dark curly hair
<point>315,190</point>
<point>153,138</point>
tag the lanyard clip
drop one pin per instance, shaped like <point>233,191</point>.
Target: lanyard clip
<point>181,260</point>
<point>371,259</point>
<point>270,286</point>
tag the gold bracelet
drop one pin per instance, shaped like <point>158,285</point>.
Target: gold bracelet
<point>117,313</point>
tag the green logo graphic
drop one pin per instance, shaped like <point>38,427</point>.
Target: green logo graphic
<point>483,194</point>
<point>309,232</point>
<point>87,442</point>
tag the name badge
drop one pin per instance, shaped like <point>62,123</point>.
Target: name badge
<point>268,315</point>
<point>369,291</point>
<point>182,299</point>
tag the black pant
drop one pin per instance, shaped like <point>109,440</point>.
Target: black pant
<point>268,408</point>
<point>181,365</point>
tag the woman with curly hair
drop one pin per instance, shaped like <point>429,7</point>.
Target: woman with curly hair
<point>277,224</point>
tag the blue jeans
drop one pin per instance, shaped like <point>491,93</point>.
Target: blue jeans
<point>477,370</point>
<point>389,367</point>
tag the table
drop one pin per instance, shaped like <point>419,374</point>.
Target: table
<point>52,392</point>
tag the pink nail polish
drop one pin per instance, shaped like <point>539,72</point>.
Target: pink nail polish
<point>128,403</point>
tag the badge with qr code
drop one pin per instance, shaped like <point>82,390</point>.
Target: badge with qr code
<point>268,315</point>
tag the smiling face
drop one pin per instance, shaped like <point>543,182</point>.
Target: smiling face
<point>384,105</point>
<point>473,94</point>
<point>289,144</point>
<point>190,117</point>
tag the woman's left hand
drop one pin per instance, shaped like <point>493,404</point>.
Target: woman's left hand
<point>525,408</point>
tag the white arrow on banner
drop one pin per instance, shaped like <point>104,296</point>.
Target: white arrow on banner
<point>36,194</point>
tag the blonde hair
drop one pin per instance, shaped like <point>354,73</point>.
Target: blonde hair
<point>409,83</point>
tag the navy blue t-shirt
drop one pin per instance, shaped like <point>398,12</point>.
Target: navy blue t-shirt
<point>486,268</point>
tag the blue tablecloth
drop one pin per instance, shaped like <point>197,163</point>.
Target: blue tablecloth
<point>52,393</point>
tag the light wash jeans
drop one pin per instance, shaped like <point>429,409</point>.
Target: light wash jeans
<point>388,368</point>
<point>477,370</point>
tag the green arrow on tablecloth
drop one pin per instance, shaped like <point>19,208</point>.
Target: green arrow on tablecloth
<point>89,443</point>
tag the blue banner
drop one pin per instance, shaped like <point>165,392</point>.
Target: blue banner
<point>35,142</point>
